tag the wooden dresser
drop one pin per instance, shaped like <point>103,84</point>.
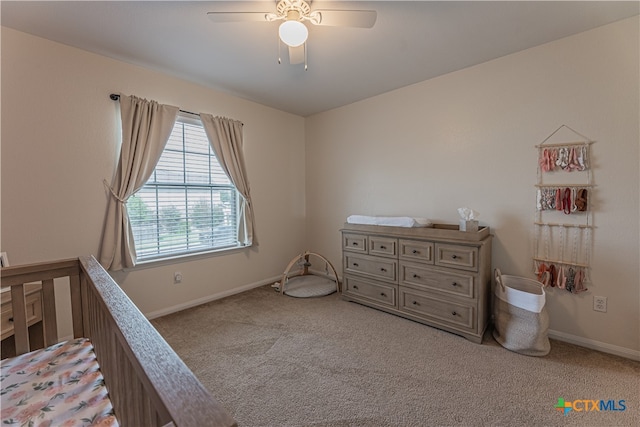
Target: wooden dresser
<point>33,304</point>
<point>439,276</point>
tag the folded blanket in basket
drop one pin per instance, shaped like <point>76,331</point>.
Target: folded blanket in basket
<point>393,221</point>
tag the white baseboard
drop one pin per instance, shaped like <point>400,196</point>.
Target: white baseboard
<point>595,345</point>
<point>199,301</point>
<point>209,298</point>
<point>557,335</point>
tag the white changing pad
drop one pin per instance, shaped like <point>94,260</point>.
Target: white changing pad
<point>392,221</point>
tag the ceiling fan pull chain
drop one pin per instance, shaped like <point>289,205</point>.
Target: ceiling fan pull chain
<point>305,56</point>
<point>279,48</point>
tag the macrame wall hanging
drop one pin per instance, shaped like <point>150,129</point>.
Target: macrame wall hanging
<point>563,230</point>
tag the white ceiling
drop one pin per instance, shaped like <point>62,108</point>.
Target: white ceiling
<point>411,41</point>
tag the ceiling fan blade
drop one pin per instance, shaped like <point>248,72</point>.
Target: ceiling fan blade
<point>238,16</point>
<point>345,18</point>
<point>296,54</point>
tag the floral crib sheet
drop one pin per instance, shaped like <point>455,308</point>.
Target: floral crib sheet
<point>58,386</point>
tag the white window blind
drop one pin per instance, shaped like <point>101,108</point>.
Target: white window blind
<point>188,205</point>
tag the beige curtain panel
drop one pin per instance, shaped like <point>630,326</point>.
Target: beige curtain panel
<point>146,127</point>
<point>225,136</point>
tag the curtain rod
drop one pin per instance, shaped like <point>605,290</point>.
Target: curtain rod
<point>115,97</point>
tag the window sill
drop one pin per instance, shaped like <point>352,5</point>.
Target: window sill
<point>194,256</point>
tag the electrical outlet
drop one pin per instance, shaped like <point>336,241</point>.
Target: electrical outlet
<point>177,277</point>
<point>600,304</point>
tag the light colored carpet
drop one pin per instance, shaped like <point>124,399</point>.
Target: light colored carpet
<point>274,360</point>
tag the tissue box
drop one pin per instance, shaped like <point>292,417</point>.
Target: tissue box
<point>471,225</point>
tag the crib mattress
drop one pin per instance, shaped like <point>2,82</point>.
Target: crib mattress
<point>58,386</point>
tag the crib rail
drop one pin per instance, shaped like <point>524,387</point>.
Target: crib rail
<point>19,278</point>
<point>149,385</point>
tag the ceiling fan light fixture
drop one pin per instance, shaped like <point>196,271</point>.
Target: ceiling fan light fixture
<point>293,33</point>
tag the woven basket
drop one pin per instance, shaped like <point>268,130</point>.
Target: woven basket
<point>521,319</point>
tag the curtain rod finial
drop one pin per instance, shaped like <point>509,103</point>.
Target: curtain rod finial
<point>114,97</point>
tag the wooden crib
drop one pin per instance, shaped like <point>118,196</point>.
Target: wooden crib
<point>148,384</point>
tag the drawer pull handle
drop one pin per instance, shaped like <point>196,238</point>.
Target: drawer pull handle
<point>382,294</point>
<point>355,264</point>
<point>384,270</point>
<point>383,247</point>
<point>416,303</point>
<point>355,287</point>
<point>10,319</point>
<point>415,251</point>
<point>454,284</point>
<point>355,243</point>
<point>415,276</point>
<point>453,313</point>
<point>454,256</point>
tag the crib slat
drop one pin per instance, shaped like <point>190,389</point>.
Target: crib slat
<point>20,330</point>
<point>76,306</point>
<point>49,321</point>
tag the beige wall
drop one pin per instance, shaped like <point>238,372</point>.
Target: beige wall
<point>60,140</point>
<point>467,139</point>
<point>463,139</point>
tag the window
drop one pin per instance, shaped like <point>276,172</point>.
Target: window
<point>188,204</point>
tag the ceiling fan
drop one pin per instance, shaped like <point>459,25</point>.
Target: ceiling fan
<point>294,13</point>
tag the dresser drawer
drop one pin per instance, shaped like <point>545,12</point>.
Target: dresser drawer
<point>378,292</point>
<point>377,268</point>
<point>429,306</point>
<point>355,243</point>
<point>34,313</point>
<point>416,250</point>
<point>439,280</point>
<point>457,256</point>
<point>383,246</point>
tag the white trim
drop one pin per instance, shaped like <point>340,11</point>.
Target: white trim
<point>209,298</point>
<point>595,345</point>
<point>557,335</point>
<point>172,259</point>
<point>560,336</point>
